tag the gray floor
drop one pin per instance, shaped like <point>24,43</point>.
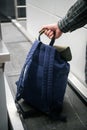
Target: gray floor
<point>74,108</point>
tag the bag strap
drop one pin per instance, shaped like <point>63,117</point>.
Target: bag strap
<point>47,81</point>
<point>50,77</point>
<point>30,54</point>
<point>20,82</point>
<point>32,50</point>
<point>45,73</point>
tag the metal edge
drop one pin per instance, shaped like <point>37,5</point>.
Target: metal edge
<point>78,86</point>
<point>12,110</point>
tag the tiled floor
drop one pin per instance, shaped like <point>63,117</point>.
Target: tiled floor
<point>74,108</point>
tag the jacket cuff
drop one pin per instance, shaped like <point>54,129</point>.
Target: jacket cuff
<point>64,25</point>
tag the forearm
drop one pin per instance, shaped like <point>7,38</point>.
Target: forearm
<point>75,18</point>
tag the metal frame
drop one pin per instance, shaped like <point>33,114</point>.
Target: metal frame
<point>16,10</point>
<point>78,86</point>
<point>12,110</point>
<point>0,32</point>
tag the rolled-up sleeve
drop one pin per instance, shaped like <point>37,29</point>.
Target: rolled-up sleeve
<point>75,18</point>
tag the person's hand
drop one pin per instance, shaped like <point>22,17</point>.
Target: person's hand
<point>50,29</point>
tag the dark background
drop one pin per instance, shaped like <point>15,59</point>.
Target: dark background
<point>7,8</point>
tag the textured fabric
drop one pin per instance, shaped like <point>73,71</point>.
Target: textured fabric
<point>43,80</point>
<point>75,18</point>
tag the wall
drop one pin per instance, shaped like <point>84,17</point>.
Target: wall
<point>45,12</point>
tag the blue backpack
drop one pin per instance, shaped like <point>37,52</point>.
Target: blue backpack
<point>43,79</point>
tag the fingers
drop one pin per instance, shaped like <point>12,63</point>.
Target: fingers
<point>49,33</point>
<point>50,29</point>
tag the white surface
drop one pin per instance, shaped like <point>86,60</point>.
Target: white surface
<point>26,34</point>
<point>36,18</point>
<point>4,54</point>
<point>77,42</point>
<point>56,7</point>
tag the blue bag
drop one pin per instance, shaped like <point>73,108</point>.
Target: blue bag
<point>43,79</point>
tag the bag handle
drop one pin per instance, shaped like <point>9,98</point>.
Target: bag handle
<point>52,40</point>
